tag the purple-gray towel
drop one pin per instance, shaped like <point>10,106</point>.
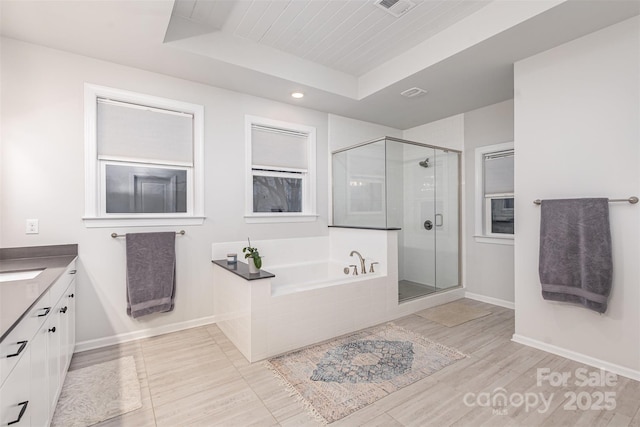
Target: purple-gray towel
<point>575,252</point>
<point>151,261</point>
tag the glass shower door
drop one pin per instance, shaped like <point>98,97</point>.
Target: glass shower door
<point>417,239</point>
<point>446,219</point>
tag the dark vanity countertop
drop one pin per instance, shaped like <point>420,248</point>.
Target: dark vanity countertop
<point>241,269</point>
<point>356,227</point>
<point>18,296</point>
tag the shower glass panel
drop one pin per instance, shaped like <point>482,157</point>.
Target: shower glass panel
<point>359,193</point>
<point>392,183</point>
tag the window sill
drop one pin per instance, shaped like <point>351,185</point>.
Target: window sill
<point>509,241</point>
<point>141,221</point>
<point>279,217</point>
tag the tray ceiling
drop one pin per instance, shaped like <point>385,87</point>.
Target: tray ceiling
<point>349,57</point>
<point>352,36</point>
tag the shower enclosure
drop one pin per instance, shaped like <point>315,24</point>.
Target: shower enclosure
<point>392,183</point>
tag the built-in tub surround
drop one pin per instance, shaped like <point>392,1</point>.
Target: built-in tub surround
<point>310,299</point>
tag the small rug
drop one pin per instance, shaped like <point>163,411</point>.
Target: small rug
<point>453,314</point>
<point>338,377</point>
<point>97,393</point>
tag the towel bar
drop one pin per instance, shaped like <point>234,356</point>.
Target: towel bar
<point>633,200</point>
<point>114,235</point>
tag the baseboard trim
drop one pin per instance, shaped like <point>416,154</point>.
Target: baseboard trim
<point>578,357</point>
<point>490,300</point>
<point>145,333</point>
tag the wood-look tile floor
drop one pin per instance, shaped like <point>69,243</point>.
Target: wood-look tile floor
<point>198,378</point>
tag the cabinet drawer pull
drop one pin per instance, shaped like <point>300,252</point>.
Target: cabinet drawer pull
<point>22,411</point>
<point>23,344</point>
<point>52,329</point>
<point>63,310</point>
<point>73,271</point>
<point>46,311</point>
<point>71,296</point>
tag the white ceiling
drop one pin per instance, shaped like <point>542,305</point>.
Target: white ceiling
<point>349,57</point>
<point>351,36</point>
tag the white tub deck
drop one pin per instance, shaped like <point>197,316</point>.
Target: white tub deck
<point>308,302</point>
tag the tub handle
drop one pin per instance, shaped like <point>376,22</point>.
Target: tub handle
<point>355,269</point>
<point>371,268</point>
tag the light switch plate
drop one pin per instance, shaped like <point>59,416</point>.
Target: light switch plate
<point>32,226</point>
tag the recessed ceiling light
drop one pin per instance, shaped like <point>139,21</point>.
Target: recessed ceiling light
<point>297,95</point>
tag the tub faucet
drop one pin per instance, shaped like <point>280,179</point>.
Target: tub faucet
<point>363,269</point>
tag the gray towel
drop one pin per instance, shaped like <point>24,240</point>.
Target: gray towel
<point>575,252</point>
<point>151,261</point>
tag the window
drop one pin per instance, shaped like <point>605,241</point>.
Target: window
<point>495,221</point>
<point>280,171</point>
<point>143,159</point>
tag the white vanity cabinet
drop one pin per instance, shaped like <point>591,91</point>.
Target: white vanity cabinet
<point>15,394</point>
<point>52,328</point>
<point>61,342</point>
<point>32,379</point>
<point>67,327</point>
<point>39,378</point>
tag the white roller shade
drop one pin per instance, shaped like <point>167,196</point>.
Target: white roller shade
<point>498,173</point>
<point>278,148</point>
<point>137,132</point>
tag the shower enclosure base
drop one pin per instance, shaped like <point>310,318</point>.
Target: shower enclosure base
<point>432,292</point>
<point>409,290</point>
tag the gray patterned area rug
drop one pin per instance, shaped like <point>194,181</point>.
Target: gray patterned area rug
<point>97,393</point>
<point>338,377</point>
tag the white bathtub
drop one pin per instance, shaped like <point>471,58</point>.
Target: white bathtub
<point>310,299</point>
<point>314,275</point>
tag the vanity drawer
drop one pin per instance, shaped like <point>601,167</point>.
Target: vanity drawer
<point>14,345</point>
<point>57,290</point>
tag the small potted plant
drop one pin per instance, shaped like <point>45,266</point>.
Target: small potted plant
<point>253,258</point>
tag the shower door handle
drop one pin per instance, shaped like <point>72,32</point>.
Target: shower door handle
<point>439,223</point>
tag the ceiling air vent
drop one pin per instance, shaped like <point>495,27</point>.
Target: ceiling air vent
<point>396,8</point>
<point>413,92</point>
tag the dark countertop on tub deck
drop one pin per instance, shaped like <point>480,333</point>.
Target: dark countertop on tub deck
<point>241,269</point>
<point>17,297</point>
<point>357,227</point>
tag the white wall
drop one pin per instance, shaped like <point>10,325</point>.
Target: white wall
<point>43,177</point>
<point>344,132</point>
<point>577,134</point>
<point>446,133</point>
<point>489,267</point>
